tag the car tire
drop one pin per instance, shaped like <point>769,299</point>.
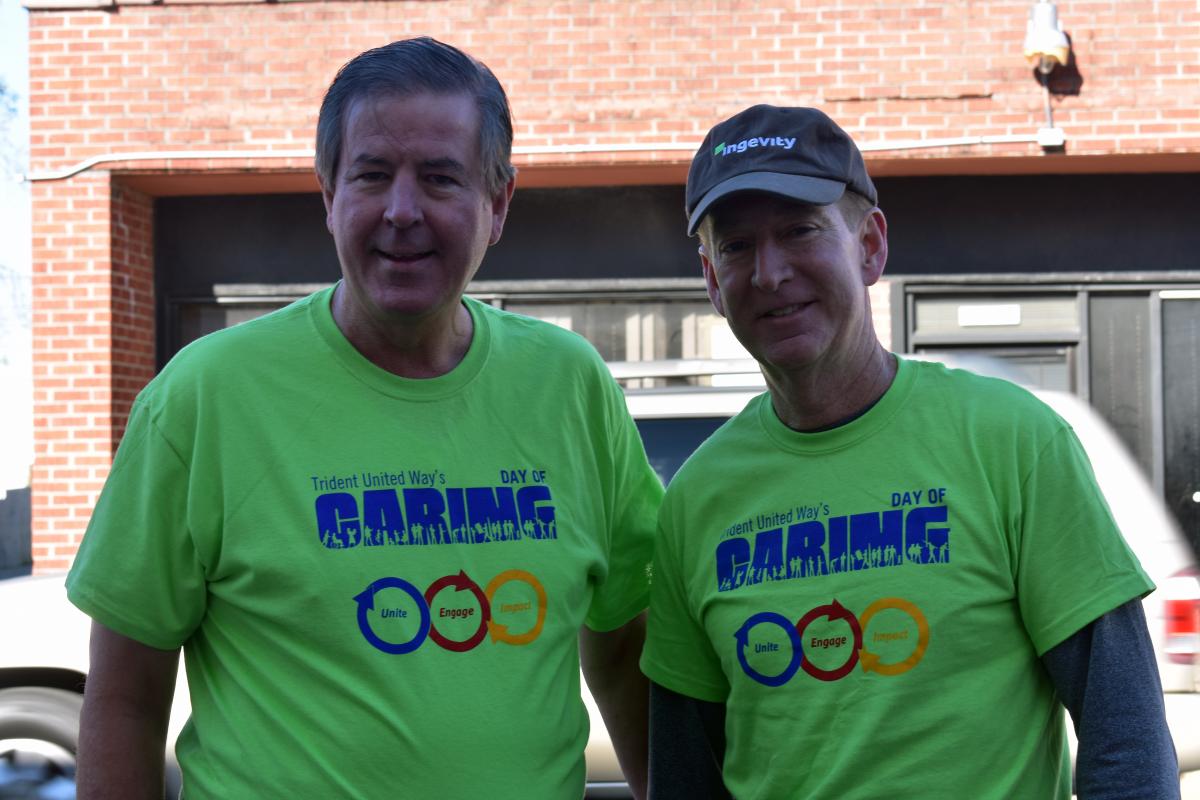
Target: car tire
<point>51,718</point>
<point>52,715</point>
<point>35,712</point>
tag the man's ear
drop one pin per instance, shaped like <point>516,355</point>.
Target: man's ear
<point>500,203</point>
<point>710,282</point>
<point>873,240</point>
<point>327,196</point>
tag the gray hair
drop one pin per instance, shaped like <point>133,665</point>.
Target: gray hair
<point>413,66</point>
<point>855,207</point>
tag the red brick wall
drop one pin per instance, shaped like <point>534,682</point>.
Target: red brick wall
<point>191,75</point>
<point>249,76</point>
<point>93,342</point>
<point>131,304</point>
<point>71,369</point>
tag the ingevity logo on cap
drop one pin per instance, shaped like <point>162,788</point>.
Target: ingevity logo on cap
<point>758,141</point>
<point>806,157</point>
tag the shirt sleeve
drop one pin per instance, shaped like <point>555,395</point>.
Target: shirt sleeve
<point>687,746</point>
<point>634,493</point>
<point>1072,564</point>
<point>678,653</point>
<point>1107,677</point>
<point>137,570</point>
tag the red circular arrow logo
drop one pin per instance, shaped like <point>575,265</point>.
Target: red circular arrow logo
<point>461,583</point>
<point>833,611</point>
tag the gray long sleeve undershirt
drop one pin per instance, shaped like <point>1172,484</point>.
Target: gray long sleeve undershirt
<point>1107,677</point>
<point>1105,674</point>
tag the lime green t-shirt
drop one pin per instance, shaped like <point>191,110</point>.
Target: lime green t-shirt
<point>378,582</point>
<point>870,602</point>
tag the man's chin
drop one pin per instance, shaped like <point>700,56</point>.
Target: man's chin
<point>790,356</point>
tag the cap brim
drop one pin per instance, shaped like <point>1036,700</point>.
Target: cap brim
<point>806,189</point>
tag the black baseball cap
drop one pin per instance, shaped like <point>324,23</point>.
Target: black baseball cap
<point>798,153</point>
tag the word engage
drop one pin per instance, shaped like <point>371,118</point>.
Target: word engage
<point>427,629</point>
<point>840,544</point>
<point>858,652</point>
<point>426,515</point>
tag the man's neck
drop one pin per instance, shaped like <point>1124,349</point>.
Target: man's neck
<point>825,397</point>
<point>427,347</point>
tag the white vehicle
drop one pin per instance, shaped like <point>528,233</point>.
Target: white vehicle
<point>43,639</point>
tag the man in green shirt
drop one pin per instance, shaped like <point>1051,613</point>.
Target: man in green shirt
<point>883,578</point>
<point>387,524</point>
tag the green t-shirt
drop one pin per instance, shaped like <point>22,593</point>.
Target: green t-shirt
<point>378,582</point>
<point>871,602</point>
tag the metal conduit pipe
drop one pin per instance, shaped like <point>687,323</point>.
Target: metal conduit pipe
<point>636,147</point>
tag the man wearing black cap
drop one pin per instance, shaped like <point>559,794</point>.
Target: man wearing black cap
<point>883,578</point>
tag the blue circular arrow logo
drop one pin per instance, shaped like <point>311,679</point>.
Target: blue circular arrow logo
<point>743,640</point>
<point>366,602</point>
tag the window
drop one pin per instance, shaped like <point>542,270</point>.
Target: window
<point>642,322</point>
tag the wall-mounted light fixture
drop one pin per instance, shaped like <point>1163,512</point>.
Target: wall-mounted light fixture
<point>1046,46</point>
<point>1045,42</point>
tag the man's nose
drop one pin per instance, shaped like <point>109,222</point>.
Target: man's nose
<point>403,209</point>
<point>771,267</point>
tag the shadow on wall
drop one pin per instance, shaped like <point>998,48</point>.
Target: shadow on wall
<point>16,554</point>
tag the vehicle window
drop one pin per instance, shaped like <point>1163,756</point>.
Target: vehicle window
<point>669,441</point>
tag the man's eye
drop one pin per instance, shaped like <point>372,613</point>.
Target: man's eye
<point>731,247</point>
<point>442,180</point>
<point>802,230</point>
<point>371,177</point>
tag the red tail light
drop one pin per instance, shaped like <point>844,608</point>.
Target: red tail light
<point>1182,609</point>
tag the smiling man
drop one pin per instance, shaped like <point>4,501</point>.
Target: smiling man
<point>883,578</point>
<point>386,524</point>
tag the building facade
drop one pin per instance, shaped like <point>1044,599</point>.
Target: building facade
<point>1044,219</point>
